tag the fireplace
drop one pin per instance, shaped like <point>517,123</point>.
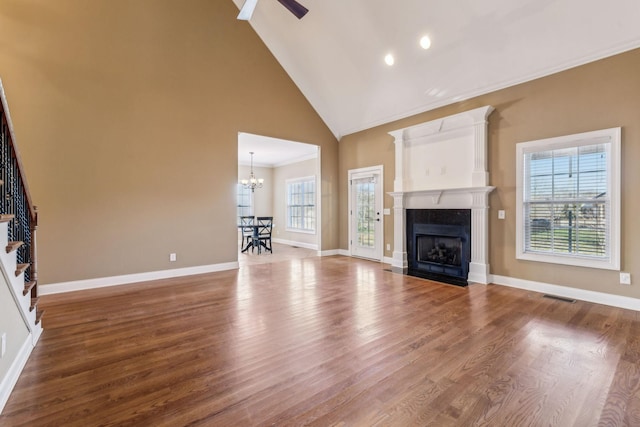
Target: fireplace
<point>438,244</point>
<point>441,165</point>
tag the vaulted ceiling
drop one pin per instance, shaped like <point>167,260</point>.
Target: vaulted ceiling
<point>335,54</point>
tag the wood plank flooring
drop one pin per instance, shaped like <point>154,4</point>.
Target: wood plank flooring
<point>280,253</point>
<point>331,341</point>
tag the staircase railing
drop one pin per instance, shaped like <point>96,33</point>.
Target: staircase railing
<point>15,199</point>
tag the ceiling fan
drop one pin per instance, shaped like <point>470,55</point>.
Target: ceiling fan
<point>294,7</point>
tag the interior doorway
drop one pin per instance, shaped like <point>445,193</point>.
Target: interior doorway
<point>290,192</point>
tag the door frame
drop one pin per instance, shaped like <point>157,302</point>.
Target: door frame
<point>351,173</point>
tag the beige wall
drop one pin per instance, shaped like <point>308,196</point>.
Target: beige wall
<point>280,176</point>
<point>600,95</point>
<point>127,116</point>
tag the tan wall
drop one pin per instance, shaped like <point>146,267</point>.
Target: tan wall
<point>368,148</point>
<point>280,176</point>
<point>127,116</point>
<point>600,95</point>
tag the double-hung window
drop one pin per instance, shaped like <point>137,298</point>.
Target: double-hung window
<point>243,200</point>
<point>568,200</point>
<point>301,204</point>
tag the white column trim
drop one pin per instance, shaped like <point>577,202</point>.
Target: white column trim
<point>399,262</point>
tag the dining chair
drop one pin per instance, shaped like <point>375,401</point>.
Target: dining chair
<point>265,224</point>
<point>247,232</point>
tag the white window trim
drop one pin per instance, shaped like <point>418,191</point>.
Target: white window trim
<point>613,137</point>
<point>286,214</point>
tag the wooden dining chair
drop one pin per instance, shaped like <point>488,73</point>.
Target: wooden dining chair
<point>247,232</point>
<point>265,224</point>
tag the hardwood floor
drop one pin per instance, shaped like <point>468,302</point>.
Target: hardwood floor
<point>280,253</point>
<point>331,341</point>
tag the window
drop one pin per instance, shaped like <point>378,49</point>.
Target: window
<point>243,198</point>
<point>301,205</point>
<point>568,200</point>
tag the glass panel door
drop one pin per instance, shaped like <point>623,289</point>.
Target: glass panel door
<point>366,218</point>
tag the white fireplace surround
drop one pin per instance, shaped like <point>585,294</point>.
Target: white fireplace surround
<point>442,164</point>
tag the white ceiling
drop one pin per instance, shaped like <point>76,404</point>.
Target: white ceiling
<point>335,53</point>
<point>272,152</point>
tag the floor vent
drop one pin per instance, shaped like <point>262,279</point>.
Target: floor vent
<point>387,269</point>
<point>559,298</point>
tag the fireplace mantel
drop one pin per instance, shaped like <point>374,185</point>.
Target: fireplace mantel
<point>442,164</point>
<point>449,198</point>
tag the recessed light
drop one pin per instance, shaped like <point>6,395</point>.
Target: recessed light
<point>425,42</point>
<point>389,59</point>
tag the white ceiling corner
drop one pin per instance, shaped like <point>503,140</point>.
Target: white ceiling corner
<point>335,53</point>
<point>272,152</point>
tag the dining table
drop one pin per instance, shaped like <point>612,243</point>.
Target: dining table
<point>255,241</point>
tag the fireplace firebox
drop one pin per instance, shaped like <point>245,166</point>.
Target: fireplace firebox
<point>439,245</point>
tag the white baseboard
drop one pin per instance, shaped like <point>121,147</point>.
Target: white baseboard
<point>101,282</point>
<point>567,292</point>
<point>331,252</point>
<point>345,252</point>
<point>298,244</point>
<point>563,291</point>
<point>9,381</point>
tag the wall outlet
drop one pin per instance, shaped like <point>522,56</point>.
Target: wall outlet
<point>501,214</point>
<point>388,246</point>
<point>172,257</point>
<point>386,211</point>
<point>4,344</point>
<point>625,278</point>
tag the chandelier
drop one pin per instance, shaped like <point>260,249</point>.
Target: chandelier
<point>252,182</point>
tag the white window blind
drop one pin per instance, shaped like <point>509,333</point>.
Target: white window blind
<point>566,203</point>
<point>568,199</point>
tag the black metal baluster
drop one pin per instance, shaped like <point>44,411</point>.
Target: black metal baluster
<point>14,200</point>
<point>4,148</point>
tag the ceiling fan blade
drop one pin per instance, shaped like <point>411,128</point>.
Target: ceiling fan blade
<point>295,7</point>
<point>247,10</point>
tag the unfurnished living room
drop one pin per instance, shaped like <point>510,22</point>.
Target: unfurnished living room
<point>327,213</point>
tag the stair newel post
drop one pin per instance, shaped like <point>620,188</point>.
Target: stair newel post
<point>33,249</point>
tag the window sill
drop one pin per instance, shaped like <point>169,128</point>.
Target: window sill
<point>576,261</point>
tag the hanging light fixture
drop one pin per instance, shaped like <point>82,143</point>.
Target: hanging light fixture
<point>252,182</point>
